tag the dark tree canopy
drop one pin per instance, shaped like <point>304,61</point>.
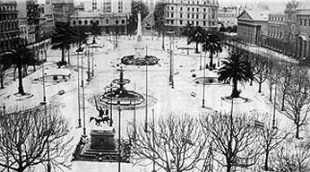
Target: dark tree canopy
<point>159,14</point>
<point>136,7</point>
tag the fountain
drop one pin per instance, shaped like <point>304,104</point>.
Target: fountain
<point>120,94</point>
<point>139,58</point>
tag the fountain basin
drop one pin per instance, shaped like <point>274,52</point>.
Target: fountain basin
<point>147,60</point>
<point>127,99</point>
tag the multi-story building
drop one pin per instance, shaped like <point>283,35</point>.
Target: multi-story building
<point>202,13</point>
<point>251,25</point>
<point>107,22</point>
<point>274,39</point>
<point>62,9</point>
<point>9,31</point>
<point>108,6</point>
<point>303,31</point>
<point>227,16</point>
<point>150,4</point>
<point>290,30</point>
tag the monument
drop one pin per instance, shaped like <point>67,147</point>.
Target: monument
<point>140,57</point>
<point>139,48</point>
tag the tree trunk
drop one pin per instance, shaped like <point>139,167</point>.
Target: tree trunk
<point>270,92</point>
<point>163,41</point>
<point>259,87</point>
<point>283,99</point>
<point>266,160</point>
<point>235,92</point>
<point>1,80</point>
<point>14,78</point>
<point>63,55</point>
<point>211,61</point>
<point>20,80</point>
<point>251,83</point>
<point>297,131</point>
<point>196,50</point>
<point>228,168</point>
<point>69,57</point>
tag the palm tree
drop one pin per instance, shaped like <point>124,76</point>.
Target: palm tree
<point>20,54</point>
<point>197,36</point>
<point>235,69</point>
<point>212,43</point>
<point>64,36</point>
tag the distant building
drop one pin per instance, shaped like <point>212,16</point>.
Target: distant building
<point>274,39</point>
<point>9,31</point>
<point>107,22</point>
<point>202,13</point>
<point>108,6</point>
<point>291,28</point>
<point>227,16</point>
<point>251,25</point>
<point>150,4</point>
<point>62,9</point>
<point>303,30</point>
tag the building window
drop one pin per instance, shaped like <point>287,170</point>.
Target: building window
<point>171,15</point>
<point>309,22</point>
<point>80,22</point>
<point>204,23</point>
<point>123,21</point>
<point>197,23</point>
<point>181,8</point>
<point>188,9</point>
<point>181,15</point>
<point>172,21</point>
<point>74,22</point>
<point>197,16</point>
<point>116,22</point>
<point>181,22</point>
<point>188,16</point>
<point>305,22</point>
<point>197,9</point>
<point>193,9</point>
<point>107,21</point>
<point>85,22</point>
<point>300,22</point>
<point>97,22</point>
<point>171,8</point>
<point>193,15</point>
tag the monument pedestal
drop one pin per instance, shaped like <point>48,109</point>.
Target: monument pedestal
<point>102,140</point>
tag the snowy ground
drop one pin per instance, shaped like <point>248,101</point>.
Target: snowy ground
<point>166,100</point>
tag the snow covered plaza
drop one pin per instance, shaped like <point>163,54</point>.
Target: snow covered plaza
<point>152,81</point>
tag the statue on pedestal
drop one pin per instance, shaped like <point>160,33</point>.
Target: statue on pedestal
<point>102,117</point>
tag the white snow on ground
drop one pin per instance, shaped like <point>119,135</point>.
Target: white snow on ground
<point>178,100</point>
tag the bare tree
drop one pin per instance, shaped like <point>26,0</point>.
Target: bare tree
<point>286,76</point>
<point>234,139</point>
<point>270,138</point>
<point>297,99</point>
<point>292,159</point>
<point>173,143</point>
<point>33,137</point>
<point>260,70</point>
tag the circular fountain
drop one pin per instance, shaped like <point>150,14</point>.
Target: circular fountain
<point>119,95</point>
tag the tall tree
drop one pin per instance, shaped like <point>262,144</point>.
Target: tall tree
<point>197,35</point>
<point>234,139</point>
<point>63,37</point>
<point>286,77</point>
<point>235,69</point>
<point>174,144</point>
<point>20,54</point>
<point>297,100</point>
<point>260,70</point>
<point>29,137</point>
<point>159,17</point>
<point>212,44</point>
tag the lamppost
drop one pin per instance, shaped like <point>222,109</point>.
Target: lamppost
<point>153,140</point>
<point>204,81</point>
<point>171,60</point>
<point>83,97</point>
<point>119,136</point>
<point>78,87</point>
<point>146,93</point>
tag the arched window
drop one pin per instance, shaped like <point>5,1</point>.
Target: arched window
<point>80,22</point>
<point>85,22</point>
<point>116,22</point>
<point>123,21</point>
<point>97,22</point>
<point>74,22</point>
<point>107,21</point>
<point>91,22</point>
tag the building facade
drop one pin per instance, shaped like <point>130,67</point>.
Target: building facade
<point>202,13</point>
<point>62,9</point>
<point>251,25</point>
<point>107,22</point>
<point>274,39</point>
<point>9,31</point>
<point>227,16</point>
<point>290,30</point>
<point>108,6</point>
<point>303,31</point>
